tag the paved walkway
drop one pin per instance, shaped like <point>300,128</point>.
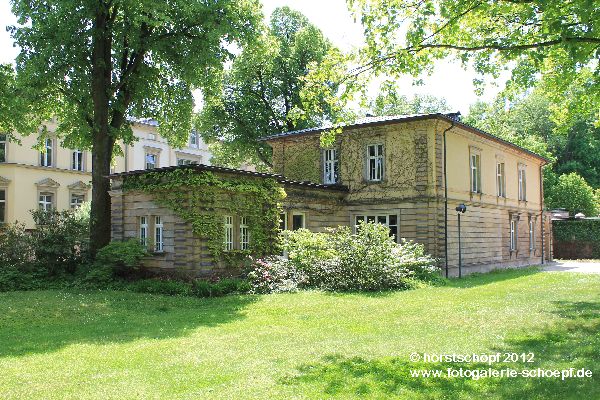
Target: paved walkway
<point>591,267</point>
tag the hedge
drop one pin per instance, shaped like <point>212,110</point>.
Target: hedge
<point>578,238</point>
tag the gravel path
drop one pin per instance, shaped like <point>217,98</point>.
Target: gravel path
<point>586,267</point>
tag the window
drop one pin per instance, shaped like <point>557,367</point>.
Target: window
<point>513,235</point>
<point>2,206</point>
<point>45,201</point>
<point>282,221</point>
<point>389,220</point>
<point>194,139</point>
<point>77,200</point>
<point>151,161</point>
<point>531,234</point>
<point>46,155</point>
<point>144,231</point>
<point>298,221</point>
<point>475,173</point>
<point>522,183</point>
<point>158,234</point>
<point>330,166</point>
<point>500,180</point>
<point>375,162</point>
<point>244,233</point>
<point>183,161</point>
<point>77,160</point>
<point>2,147</point>
<point>228,232</point>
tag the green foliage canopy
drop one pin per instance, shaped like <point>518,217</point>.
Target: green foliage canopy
<point>573,193</point>
<point>261,93</point>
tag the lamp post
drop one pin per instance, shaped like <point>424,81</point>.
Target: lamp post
<point>460,209</point>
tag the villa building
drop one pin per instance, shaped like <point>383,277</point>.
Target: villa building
<point>409,173</point>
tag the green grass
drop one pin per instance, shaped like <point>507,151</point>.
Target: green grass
<point>68,344</point>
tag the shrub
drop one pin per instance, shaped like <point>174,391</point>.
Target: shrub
<point>60,240</point>
<point>573,193</point>
<point>275,274</point>
<point>340,260</point>
<point>122,257</point>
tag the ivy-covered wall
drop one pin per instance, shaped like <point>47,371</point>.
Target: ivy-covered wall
<point>576,239</point>
<point>203,198</point>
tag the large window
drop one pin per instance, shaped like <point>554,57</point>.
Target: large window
<point>151,160</point>
<point>531,234</point>
<point>298,221</point>
<point>46,201</point>
<point>194,139</point>
<point>2,147</point>
<point>475,172</point>
<point>2,206</point>
<point>330,166</point>
<point>77,200</point>
<point>158,234</point>
<point>46,155</point>
<point>522,183</point>
<point>144,231</point>
<point>389,220</point>
<point>228,232</point>
<point>500,179</point>
<point>513,235</point>
<point>77,160</point>
<point>244,234</point>
<point>375,162</point>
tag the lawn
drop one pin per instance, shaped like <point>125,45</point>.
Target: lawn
<point>70,344</point>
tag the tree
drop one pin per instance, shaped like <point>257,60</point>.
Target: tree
<point>261,93</point>
<point>389,101</point>
<point>535,38</point>
<point>94,64</point>
<point>574,194</point>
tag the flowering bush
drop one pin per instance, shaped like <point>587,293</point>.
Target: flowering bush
<point>340,261</point>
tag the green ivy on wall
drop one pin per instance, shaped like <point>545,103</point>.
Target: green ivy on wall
<point>203,199</point>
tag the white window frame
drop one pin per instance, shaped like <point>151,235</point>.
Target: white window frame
<point>513,235</point>
<point>74,201</point>
<point>186,161</point>
<point>228,233</point>
<point>376,162</point>
<point>522,182</point>
<point>3,205</point>
<point>531,233</point>
<point>158,234</point>
<point>77,160</point>
<point>146,163</point>
<point>244,233</point>
<point>475,167</point>
<point>296,213</point>
<point>45,201</point>
<point>143,231</point>
<point>379,217</point>
<point>194,139</point>
<point>3,147</point>
<point>330,166</point>
<point>283,221</point>
<point>47,156</point>
<point>501,179</point>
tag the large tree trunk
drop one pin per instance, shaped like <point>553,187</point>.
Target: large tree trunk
<point>102,145</point>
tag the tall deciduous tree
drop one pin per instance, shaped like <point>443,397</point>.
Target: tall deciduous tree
<point>533,38</point>
<point>261,91</point>
<point>390,101</point>
<point>92,64</point>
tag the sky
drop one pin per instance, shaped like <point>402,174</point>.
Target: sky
<point>449,79</point>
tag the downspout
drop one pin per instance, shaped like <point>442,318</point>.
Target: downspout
<point>543,222</point>
<point>446,200</point>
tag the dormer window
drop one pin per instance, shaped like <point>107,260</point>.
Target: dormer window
<point>330,167</point>
<point>375,162</point>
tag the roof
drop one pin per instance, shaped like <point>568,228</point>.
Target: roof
<point>203,167</point>
<point>387,120</point>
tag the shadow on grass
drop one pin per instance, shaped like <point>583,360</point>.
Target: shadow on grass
<point>44,321</point>
<point>574,342</point>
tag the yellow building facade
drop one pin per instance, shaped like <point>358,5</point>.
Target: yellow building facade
<point>48,175</point>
